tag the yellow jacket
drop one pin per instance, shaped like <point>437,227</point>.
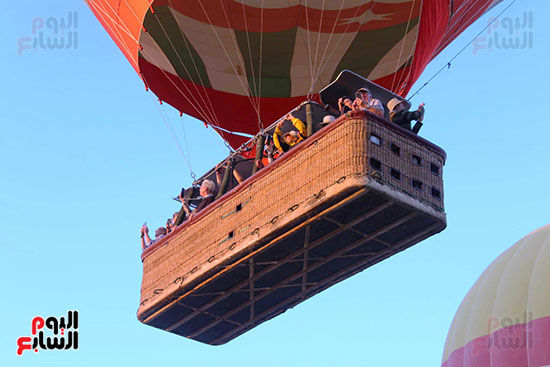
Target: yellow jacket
<point>281,144</point>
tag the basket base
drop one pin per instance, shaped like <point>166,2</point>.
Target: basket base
<point>322,250</point>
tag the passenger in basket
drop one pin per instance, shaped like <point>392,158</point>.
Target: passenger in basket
<point>290,138</point>
<point>171,223</point>
<point>206,197</point>
<point>146,241</point>
<point>345,104</point>
<point>400,114</point>
<point>220,170</point>
<point>327,120</point>
<point>270,149</point>
<point>364,100</point>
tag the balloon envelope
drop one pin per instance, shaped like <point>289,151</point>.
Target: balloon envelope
<point>504,319</point>
<point>233,63</point>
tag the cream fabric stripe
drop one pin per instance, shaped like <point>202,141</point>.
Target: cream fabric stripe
<point>223,64</point>
<point>515,283</point>
<point>457,332</point>
<point>513,289</point>
<point>300,74</point>
<point>539,297</point>
<point>153,54</point>
<point>387,65</point>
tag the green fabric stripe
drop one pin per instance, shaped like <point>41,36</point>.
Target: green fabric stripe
<point>369,47</point>
<point>278,48</point>
<point>163,21</point>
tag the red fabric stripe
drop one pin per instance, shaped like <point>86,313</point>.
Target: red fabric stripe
<point>433,22</point>
<point>466,12</point>
<point>520,345</point>
<point>235,112</point>
<point>248,18</point>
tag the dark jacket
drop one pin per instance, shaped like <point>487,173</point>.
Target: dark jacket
<point>205,201</point>
<point>404,118</point>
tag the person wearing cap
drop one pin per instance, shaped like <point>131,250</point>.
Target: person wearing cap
<point>146,241</point>
<point>284,142</point>
<point>364,100</point>
<point>401,116</point>
<point>327,120</point>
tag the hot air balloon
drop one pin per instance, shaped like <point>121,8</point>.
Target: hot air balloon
<point>352,194</point>
<point>504,320</point>
<point>210,58</point>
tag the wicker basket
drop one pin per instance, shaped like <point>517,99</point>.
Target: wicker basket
<point>361,175</point>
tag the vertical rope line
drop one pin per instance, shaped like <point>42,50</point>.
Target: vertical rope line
<point>215,117</point>
<point>260,122</point>
<point>308,46</point>
<point>211,109</point>
<point>115,33</point>
<point>168,125</point>
<point>403,45</point>
<point>203,99</point>
<point>235,44</point>
<point>313,78</point>
<point>348,26</point>
<point>198,108</point>
<point>462,50</point>
<point>321,63</point>
<point>404,79</point>
<point>255,93</point>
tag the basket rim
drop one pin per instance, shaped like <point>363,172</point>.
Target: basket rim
<point>356,115</point>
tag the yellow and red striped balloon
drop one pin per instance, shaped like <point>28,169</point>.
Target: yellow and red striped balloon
<point>504,319</point>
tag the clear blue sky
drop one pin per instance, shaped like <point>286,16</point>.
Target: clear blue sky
<point>85,159</point>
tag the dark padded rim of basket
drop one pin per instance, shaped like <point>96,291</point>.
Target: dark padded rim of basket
<point>303,145</point>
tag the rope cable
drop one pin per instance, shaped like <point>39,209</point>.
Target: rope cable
<point>203,99</point>
<point>448,64</point>
<point>322,64</point>
<point>397,66</point>
<point>246,89</point>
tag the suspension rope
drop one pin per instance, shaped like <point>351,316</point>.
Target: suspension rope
<point>170,128</point>
<point>196,105</point>
<point>397,66</point>
<point>185,137</point>
<point>198,108</point>
<point>246,89</point>
<point>348,26</point>
<point>194,64</point>
<point>203,113</point>
<point>327,46</point>
<point>255,92</point>
<point>448,64</point>
<point>260,122</point>
<point>309,50</point>
<point>313,78</point>
<point>204,99</point>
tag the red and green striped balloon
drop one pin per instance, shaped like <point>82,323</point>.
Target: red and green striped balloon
<point>232,63</point>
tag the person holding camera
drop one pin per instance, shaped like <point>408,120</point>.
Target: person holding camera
<point>206,197</point>
<point>146,241</point>
<point>400,114</point>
